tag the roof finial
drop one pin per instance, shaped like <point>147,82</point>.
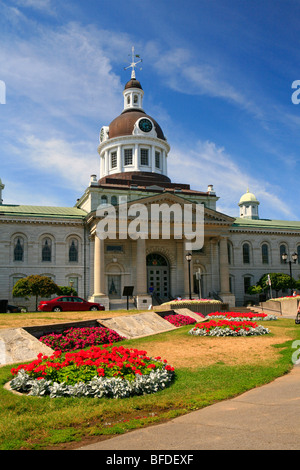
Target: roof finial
<point>133,63</point>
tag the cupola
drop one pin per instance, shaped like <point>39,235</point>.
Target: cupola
<point>249,206</point>
<point>133,142</point>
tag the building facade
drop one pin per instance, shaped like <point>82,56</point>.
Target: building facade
<point>64,242</point>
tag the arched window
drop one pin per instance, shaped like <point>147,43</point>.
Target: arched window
<point>46,249</point>
<point>282,250</point>
<point>19,249</point>
<point>73,250</point>
<point>265,254</point>
<point>246,253</point>
<point>114,200</point>
<point>103,200</point>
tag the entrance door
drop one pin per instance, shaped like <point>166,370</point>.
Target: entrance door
<point>158,275</point>
<point>114,286</point>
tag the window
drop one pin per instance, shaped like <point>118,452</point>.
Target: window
<point>127,157</point>
<point>157,159</point>
<point>265,254</point>
<point>46,250</point>
<point>282,250</point>
<point>113,159</point>
<point>103,200</point>
<point>247,283</point>
<point>246,253</point>
<point>298,253</point>
<point>135,99</point>
<point>144,157</point>
<point>19,250</point>
<point>73,251</point>
<point>114,200</point>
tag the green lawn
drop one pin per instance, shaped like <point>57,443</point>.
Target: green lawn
<point>44,423</point>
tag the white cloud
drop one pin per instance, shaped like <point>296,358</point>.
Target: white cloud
<point>36,4</point>
<point>70,163</point>
<point>206,164</point>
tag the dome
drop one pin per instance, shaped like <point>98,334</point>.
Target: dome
<point>124,124</point>
<point>248,197</point>
<point>133,83</point>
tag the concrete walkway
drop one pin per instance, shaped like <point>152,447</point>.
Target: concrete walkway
<point>265,418</point>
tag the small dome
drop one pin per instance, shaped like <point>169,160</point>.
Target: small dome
<point>133,83</point>
<point>124,124</point>
<point>248,197</point>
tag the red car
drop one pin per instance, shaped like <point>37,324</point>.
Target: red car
<point>68,304</point>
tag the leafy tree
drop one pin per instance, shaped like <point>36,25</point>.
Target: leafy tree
<point>35,285</point>
<point>279,281</point>
<point>254,290</point>
<point>67,290</point>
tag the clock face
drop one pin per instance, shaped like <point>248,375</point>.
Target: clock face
<point>145,125</point>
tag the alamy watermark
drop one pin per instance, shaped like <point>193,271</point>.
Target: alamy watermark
<point>295,96</point>
<point>157,221</point>
<point>2,92</point>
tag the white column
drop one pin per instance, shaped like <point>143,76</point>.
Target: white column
<point>106,163</point>
<point>224,268</point>
<point>153,158</point>
<point>119,159</point>
<point>136,157</point>
<point>141,267</point>
<point>99,266</point>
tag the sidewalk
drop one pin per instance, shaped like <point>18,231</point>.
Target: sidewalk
<point>265,418</point>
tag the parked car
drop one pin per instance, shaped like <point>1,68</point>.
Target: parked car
<point>68,304</point>
<point>13,309</point>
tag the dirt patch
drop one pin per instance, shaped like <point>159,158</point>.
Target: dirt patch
<point>196,351</point>
<point>47,318</point>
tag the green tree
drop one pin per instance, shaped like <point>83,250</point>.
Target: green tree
<point>279,281</point>
<point>35,285</point>
<point>67,290</point>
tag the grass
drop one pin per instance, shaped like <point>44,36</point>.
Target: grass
<point>35,423</point>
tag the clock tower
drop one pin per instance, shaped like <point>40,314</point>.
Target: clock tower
<point>133,144</point>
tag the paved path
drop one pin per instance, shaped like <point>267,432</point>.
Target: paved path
<point>265,418</point>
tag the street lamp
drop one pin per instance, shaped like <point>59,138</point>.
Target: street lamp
<point>294,257</point>
<point>188,257</point>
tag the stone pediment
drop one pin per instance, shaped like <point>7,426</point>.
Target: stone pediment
<point>210,216</point>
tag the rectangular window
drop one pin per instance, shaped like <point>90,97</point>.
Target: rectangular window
<point>157,159</point>
<point>246,253</point>
<point>144,157</point>
<point>113,159</point>
<point>127,157</point>
<point>247,284</point>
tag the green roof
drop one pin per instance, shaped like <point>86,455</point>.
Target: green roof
<point>266,224</point>
<point>42,211</point>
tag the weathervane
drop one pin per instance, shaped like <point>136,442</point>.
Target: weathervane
<point>133,63</point>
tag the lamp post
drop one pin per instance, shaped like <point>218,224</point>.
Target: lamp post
<point>188,257</point>
<point>294,257</point>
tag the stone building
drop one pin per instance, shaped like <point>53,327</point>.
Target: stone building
<point>64,244</point>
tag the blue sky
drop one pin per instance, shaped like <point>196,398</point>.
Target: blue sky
<point>217,76</point>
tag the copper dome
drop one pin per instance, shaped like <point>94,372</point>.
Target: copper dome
<point>133,83</point>
<point>124,124</point>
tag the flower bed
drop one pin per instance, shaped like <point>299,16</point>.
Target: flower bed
<point>107,371</point>
<point>228,328</point>
<point>183,302</point>
<point>241,316</point>
<point>78,338</point>
<point>180,320</point>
